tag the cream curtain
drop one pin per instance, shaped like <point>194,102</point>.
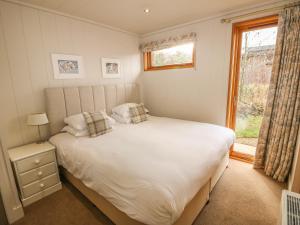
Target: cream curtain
<point>278,133</point>
<point>168,42</point>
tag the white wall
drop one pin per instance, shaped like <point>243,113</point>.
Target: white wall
<point>195,94</point>
<point>27,38</point>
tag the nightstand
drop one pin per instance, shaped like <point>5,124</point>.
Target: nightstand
<point>36,171</point>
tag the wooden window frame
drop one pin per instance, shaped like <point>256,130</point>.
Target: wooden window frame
<point>234,73</point>
<point>148,65</point>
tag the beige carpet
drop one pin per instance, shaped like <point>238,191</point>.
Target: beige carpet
<point>243,196</point>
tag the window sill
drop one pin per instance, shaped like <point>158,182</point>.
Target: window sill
<point>170,67</point>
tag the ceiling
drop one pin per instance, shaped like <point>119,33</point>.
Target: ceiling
<point>129,14</point>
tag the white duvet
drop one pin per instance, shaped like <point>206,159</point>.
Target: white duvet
<point>149,170</point>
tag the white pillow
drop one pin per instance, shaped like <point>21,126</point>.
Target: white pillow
<point>74,132</point>
<point>77,121</point>
<point>123,110</point>
<point>121,119</point>
<point>112,121</point>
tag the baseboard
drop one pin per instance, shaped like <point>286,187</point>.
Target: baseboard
<point>16,214</point>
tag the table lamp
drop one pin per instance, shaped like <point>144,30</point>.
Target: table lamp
<point>37,119</point>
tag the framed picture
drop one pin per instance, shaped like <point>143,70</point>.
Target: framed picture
<point>111,68</point>
<point>67,66</point>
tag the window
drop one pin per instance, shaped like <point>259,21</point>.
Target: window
<point>181,56</point>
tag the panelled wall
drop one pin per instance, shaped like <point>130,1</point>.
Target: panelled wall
<point>27,38</point>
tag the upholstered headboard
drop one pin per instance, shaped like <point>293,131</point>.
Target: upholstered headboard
<point>66,101</point>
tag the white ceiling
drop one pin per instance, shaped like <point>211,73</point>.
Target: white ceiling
<point>129,14</point>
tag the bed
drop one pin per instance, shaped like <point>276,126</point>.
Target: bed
<point>157,172</point>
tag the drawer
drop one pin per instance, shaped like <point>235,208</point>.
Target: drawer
<point>35,161</point>
<point>40,185</point>
<point>42,194</point>
<point>37,174</point>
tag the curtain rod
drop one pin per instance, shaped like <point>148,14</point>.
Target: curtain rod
<point>229,19</point>
<point>272,9</point>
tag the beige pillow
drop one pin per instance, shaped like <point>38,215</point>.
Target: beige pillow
<point>97,123</point>
<point>138,113</point>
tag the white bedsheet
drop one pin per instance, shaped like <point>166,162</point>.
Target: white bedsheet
<point>149,170</point>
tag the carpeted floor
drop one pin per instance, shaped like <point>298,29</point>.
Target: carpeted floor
<point>243,196</point>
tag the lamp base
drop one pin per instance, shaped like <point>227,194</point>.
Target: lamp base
<point>42,140</point>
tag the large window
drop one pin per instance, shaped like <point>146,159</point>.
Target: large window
<point>181,56</point>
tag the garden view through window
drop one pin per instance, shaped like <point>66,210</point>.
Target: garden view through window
<point>256,61</point>
<point>180,56</point>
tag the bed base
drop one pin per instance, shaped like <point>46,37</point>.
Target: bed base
<point>188,216</point>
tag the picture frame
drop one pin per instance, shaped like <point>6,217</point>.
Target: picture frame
<point>111,68</point>
<point>67,66</point>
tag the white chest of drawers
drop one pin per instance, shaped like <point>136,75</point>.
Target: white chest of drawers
<point>36,172</point>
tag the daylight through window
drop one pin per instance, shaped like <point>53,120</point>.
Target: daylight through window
<point>181,56</point>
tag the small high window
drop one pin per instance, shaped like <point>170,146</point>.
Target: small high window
<point>180,56</point>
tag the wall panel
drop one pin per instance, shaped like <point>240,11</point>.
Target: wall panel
<point>35,53</point>
<point>9,114</point>
<point>19,65</point>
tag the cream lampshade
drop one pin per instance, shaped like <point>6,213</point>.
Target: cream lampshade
<point>37,119</point>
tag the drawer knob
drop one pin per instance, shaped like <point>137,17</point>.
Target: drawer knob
<point>40,173</point>
<point>37,161</point>
<point>42,185</point>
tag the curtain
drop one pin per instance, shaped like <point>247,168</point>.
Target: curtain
<point>278,133</point>
<point>168,42</point>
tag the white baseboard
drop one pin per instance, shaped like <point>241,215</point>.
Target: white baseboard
<point>15,214</point>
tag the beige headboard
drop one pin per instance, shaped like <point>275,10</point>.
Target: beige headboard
<point>66,101</point>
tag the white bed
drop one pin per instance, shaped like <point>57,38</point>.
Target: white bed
<point>151,170</point>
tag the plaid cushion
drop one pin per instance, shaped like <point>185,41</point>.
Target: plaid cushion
<point>138,113</point>
<point>97,123</point>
